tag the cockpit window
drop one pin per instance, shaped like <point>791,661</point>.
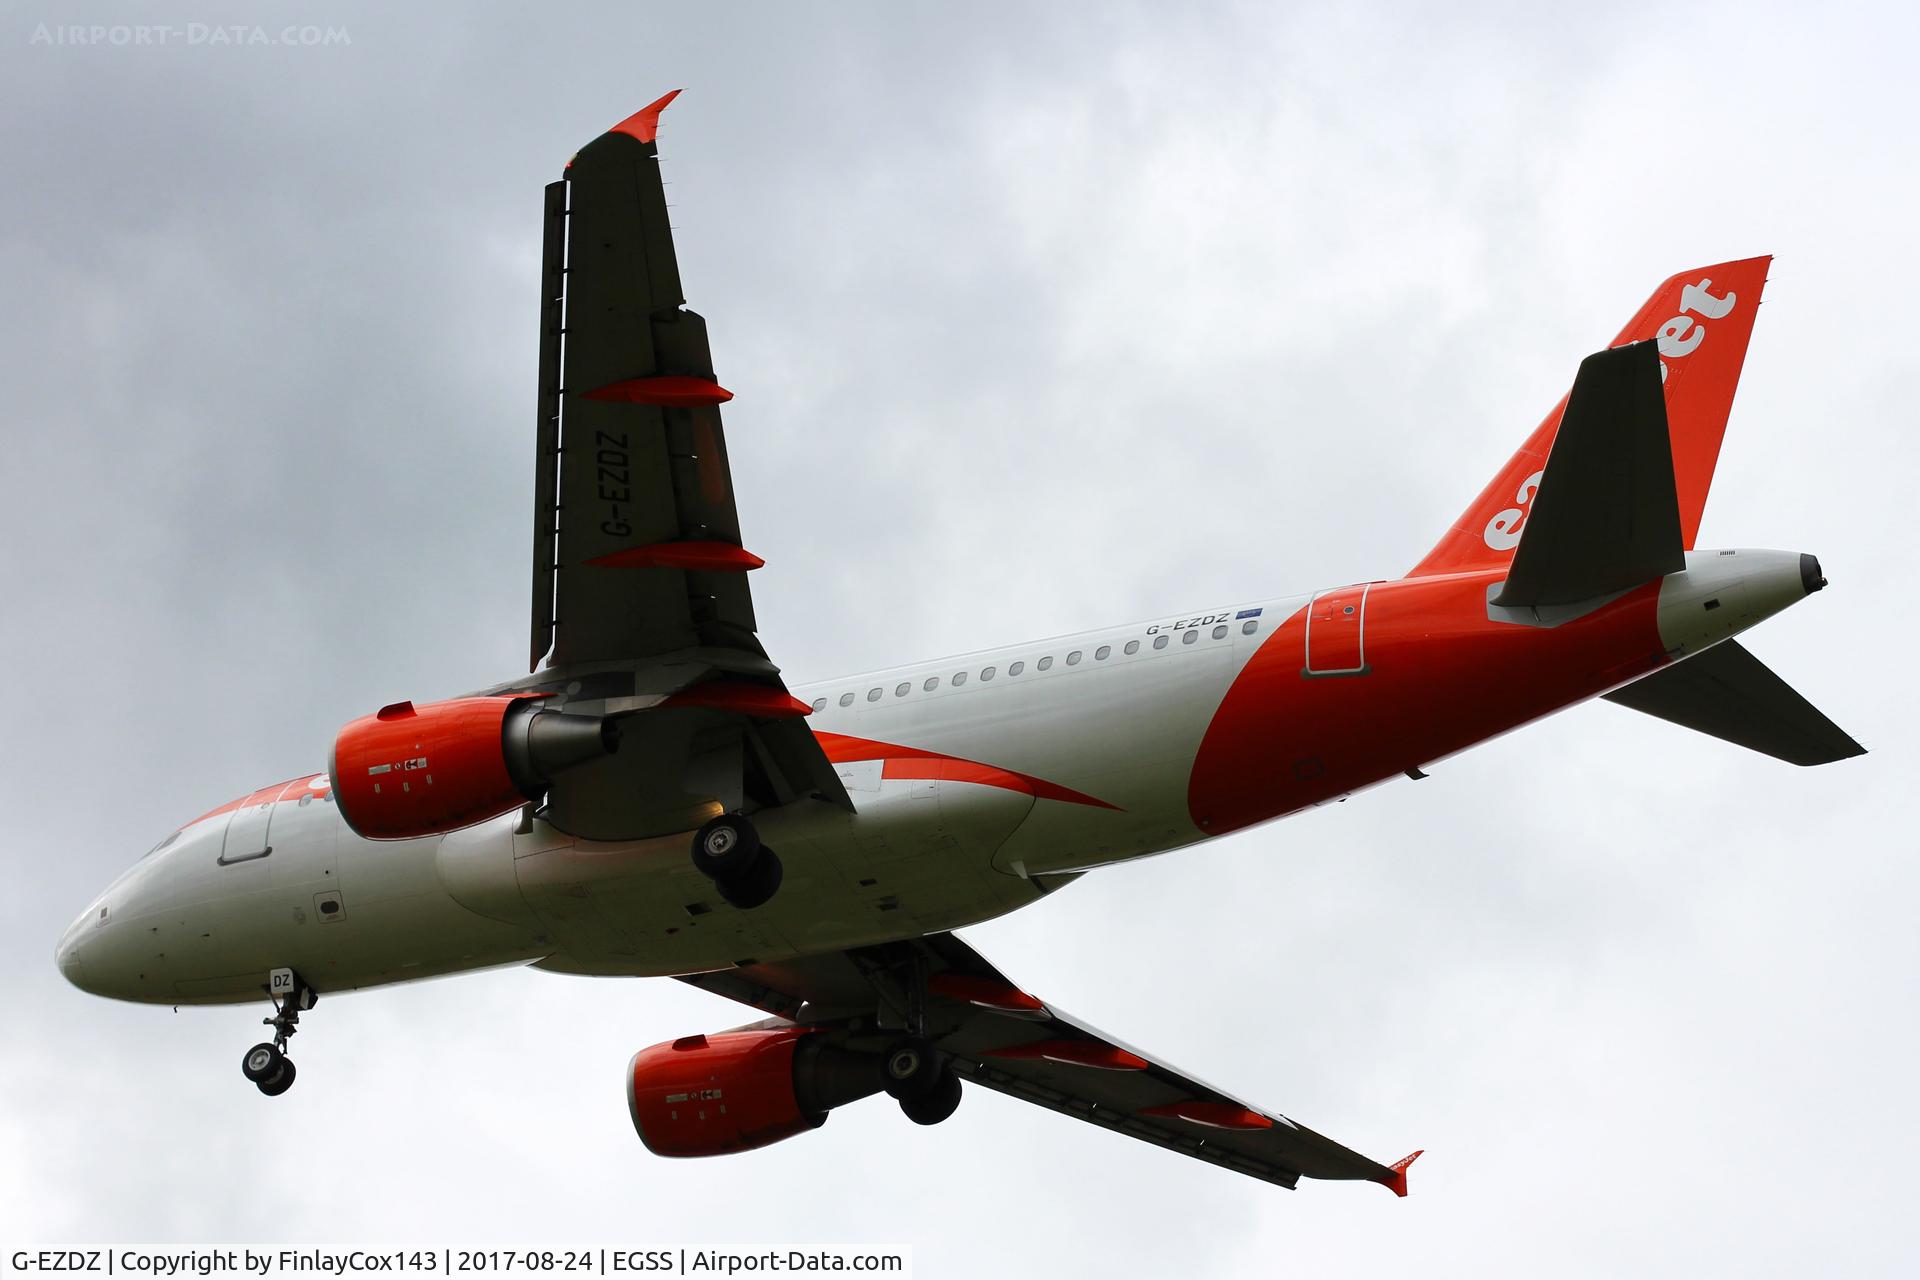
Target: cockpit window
<point>163,844</point>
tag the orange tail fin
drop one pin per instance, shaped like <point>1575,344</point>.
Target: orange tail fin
<point>1701,320</point>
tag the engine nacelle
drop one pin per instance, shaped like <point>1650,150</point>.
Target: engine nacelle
<point>409,771</point>
<point>738,1090</point>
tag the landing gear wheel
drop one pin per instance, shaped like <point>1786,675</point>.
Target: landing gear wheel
<point>262,1063</point>
<point>756,885</point>
<point>909,1070</point>
<point>939,1102</point>
<point>726,847</point>
<point>267,1064</point>
<point>284,1081</point>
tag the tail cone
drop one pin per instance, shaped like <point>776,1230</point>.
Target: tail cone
<point>1810,576</point>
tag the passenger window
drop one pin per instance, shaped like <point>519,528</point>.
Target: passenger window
<point>1044,663</point>
<point>932,683</point>
<point>1248,628</point>
<point>819,704</point>
<point>846,699</point>
<point>1160,642</point>
<point>873,695</point>
<point>1220,632</point>
<point>900,690</point>
<point>988,674</point>
<point>1073,659</point>
<point>959,678</point>
<point>1190,637</point>
<point>1104,652</point>
<point>1133,647</point>
<point>1016,668</point>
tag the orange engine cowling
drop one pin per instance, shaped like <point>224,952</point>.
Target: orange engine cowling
<point>737,1090</point>
<point>409,771</point>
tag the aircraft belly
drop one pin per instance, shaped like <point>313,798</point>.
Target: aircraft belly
<point>916,857</point>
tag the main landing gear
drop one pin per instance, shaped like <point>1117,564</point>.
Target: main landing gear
<point>926,1088</point>
<point>267,1065</point>
<point>728,851</point>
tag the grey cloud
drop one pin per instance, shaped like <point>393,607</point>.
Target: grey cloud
<point>1040,317</point>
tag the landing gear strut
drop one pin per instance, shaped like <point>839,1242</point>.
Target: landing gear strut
<point>267,1065</point>
<point>728,851</point>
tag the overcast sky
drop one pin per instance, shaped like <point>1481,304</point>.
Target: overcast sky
<point>1040,318</point>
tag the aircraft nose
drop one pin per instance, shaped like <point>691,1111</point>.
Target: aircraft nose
<point>68,958</point>
<point>78,953</point>
<point>67,953</point>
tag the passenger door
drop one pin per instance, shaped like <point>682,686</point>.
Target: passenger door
<point>1336,633</point>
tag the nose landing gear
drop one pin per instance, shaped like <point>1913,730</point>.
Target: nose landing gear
<point>728,851</point>
<point>267,1064</point>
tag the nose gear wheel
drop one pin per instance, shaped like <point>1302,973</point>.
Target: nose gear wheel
<point>267,1064</point>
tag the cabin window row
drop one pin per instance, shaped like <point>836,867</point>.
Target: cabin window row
<point>1101,654</point>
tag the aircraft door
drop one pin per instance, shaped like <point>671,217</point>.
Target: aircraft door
<point>1336,632</point>
<point>246,836</point>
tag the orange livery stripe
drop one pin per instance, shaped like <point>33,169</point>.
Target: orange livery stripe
<point>913,762</point>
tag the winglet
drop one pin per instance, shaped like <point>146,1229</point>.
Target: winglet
<point>645,122</point>
<point>1398,1182</point>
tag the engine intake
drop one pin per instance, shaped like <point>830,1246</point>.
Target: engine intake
<point>409,771</point>
<point>738,1090</point>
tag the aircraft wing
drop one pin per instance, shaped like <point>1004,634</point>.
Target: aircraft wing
<point>640,591</point>
<point>996,1035</point>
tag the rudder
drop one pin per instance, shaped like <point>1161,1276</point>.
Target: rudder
<point>1701,321</point>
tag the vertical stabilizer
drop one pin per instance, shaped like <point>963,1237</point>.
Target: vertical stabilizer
<point>1700,321</point>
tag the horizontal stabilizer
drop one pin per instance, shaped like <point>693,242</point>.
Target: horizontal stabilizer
<point>1730,694</point>
<point>1606,517</point>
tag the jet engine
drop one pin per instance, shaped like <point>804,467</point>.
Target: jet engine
<point>737,1090</point>
<point>409,771</point>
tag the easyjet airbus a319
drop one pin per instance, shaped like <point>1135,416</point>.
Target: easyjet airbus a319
<point>655,800</point>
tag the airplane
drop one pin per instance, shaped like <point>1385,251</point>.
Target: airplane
<point>653,799</point>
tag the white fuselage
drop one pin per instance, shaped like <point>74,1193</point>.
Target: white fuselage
<point>979,783</point>
<point>199,921</point>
